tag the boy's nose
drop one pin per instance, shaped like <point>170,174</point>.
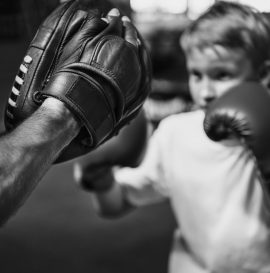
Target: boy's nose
<point>208,94</point>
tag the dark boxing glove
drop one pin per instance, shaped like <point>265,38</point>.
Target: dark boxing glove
<point>244,112</point>
<point>93,171</point>
<point>79,59</point>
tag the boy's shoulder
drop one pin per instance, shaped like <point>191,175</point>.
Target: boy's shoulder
<point>192,118</point>
<point>180,127</point>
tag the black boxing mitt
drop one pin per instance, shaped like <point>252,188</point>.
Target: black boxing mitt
<point>88,64</point>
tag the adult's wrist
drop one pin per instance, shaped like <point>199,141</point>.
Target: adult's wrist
<point>58,113</point>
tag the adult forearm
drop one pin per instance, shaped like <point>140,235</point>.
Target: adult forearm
<point>29,150</point>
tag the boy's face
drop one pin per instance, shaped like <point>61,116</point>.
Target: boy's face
<point>214,70</point>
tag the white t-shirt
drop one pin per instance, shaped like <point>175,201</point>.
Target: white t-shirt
<point>216,195</point>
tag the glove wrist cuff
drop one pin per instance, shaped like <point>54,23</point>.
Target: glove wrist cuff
<point>100,182</point>
<point>90,105</point>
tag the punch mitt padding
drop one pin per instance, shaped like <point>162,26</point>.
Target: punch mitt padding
<point>89,65</point>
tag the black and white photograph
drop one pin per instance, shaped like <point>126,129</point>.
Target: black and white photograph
<point>135,136</point>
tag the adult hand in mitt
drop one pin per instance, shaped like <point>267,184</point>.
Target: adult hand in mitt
<point>101,71</point>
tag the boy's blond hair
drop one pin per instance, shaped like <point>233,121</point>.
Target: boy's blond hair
<point>233,26</point>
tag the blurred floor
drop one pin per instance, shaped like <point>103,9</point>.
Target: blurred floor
<point>57,230</point>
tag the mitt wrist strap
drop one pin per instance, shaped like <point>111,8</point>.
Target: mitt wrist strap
<point>87,100</point>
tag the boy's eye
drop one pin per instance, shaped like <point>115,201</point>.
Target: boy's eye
<point>222,75</point>
<point>195,74</point>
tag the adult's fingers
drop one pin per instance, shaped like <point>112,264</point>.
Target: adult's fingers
<point>131,35</point>
<point>111,15</point>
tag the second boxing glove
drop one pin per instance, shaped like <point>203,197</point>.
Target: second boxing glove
<point>244,112</point>
<point>93,171</point>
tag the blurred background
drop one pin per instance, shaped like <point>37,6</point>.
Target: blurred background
<point>57,230</point>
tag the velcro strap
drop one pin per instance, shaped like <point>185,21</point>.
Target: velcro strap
<point>87,99</point>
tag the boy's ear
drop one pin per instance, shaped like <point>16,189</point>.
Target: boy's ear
<point>264,74</point>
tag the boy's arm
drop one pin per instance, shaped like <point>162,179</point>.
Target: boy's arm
<point>114,201</point>
<point>94,171</point>
<point>29,150</point>
<point>109,197</point>
<point>116,192</point>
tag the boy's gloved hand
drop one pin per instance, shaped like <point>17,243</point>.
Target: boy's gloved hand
<point>244,112</point>
<point>94,172</point>
<point>94,178</point>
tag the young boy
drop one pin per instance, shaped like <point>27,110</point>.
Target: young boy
<point>214,189</point>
